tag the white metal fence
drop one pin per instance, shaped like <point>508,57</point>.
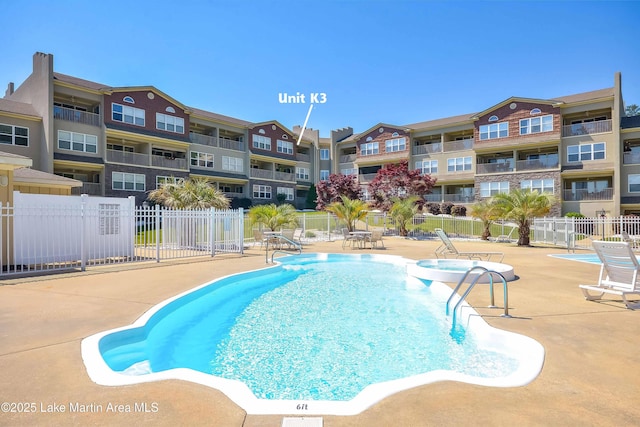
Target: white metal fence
<point>45,233</point>
<point>579,233</point>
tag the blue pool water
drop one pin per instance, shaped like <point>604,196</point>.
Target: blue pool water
<point>318,327</point>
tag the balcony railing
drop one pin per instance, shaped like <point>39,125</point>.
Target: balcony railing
<point>458,198</point>
<point>165,162</point>
<point>527,165</point>
<point>213,141</point>
<point>303,157</point>
<point>285,176</point>
<point>348,158</point>
<point>584,195</point>
<point>631,158</point>
<point>465,144</point>
<point>366,177</point>
<point>494,167</point>
<point>427,148</point>
<point>90,188</point>
<point>261,173</point>
<point>587,128</point>
<point>433,198</point>
<point>128,157</point>
<point>71,115</point>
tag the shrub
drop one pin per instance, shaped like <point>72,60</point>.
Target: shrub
<point>574,215</point>
<point>433,208</point>
<point>459,210</point>
<point>445,208</point>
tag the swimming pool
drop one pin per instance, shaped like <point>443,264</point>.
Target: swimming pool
<point>359,330</point>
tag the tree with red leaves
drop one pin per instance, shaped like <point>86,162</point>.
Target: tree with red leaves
<point>337,185</point>
<point>396,180</point>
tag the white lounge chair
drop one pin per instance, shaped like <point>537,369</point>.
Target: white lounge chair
<point>447,248</point>
<point>506,237</point>
<point>618,274</point>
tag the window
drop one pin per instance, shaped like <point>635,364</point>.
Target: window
<point>203,160</point>
<point>261,191</point>
<point>349,171</point>
<point>302,174</point>
<point>536,125</point>
<point>634,183</point>
<point>127,181</point>
<point>262,142</point>
<point>427,166</point>
<point>369,149</point>
<point>287,191</point>
<point>496,130</point>
<point>459,164</point>
<point>535,111</point>
<point>234,164</point>
<point>324,154</point>
<point>129,100</point>
<point>542,185</point>
<point>109,218</point>
<point>77,142</point>
<point>169,123</point>
<point>14,135</point>
<point>285,147</point>
<point>493,118</point>
<point>126,114</point>
<point>324,175</point>
<point>162,180</point>
<point>583,152</point>
<point>396,144</point>
<point>488,189</point>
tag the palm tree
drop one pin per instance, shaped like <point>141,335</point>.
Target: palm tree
<point>402,211</point>
<point>520,206</point>
<point>349,211</point>
<point>632,110</point>
<point>487,212</point>
<point>193,193</point>
<point>274,216</point>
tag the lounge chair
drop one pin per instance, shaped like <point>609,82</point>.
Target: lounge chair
<point>506,237</point>
<point>618,274</point>
<point>375,238</point>
<point>632,240</point>
<point>447,248</point>
<point>297,235</point>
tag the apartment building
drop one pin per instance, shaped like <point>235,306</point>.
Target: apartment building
<point>122,141</point>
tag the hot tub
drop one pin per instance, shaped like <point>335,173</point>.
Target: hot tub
<point>452,270</point>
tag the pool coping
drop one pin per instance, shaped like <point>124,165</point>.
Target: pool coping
<point>528,349</point>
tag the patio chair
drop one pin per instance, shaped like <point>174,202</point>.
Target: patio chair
<point>297,235</point>
<point>347,238</point>
<point>258,237</point>
<point>447,248</point>
<point>632,240</point>
<point>618,273</point>
<point>375,238</point>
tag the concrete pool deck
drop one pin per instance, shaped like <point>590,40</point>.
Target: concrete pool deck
<point>589,376</point>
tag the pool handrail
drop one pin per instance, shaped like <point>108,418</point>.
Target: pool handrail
<point>296,245</point>
<point>473,283</point>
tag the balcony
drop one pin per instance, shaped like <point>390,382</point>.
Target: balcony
<point>528,165</point>
<point>427,148</point>
<point>631,158</point>
<point>577,129</point>
<point>213,141</point>
<point>90,188</point>
<point>434,198</point>
<point>77,116</point>
<point>168,163</point>
<point>301,157</point>
<point>587,195</point>
<point>348,158</point>
<point>285,176</point>
<point>458,198</point>
<point>465,144</point>
<point>367,177</point>
<point>128,158</point>
<point>494,167</point>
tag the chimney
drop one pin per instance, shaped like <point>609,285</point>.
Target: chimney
<point>10,89</point>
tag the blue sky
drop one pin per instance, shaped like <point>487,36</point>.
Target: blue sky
<point>397,62</point>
